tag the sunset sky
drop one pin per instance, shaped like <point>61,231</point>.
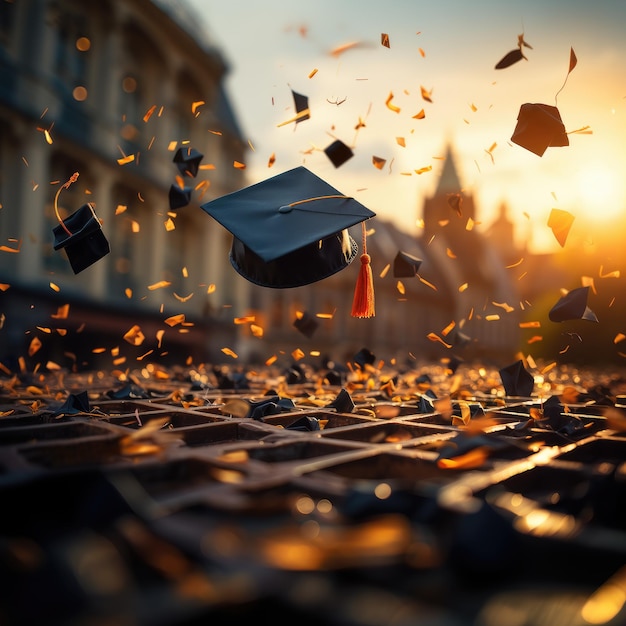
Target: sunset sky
<point>450,49</point>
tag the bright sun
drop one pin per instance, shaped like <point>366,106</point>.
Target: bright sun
<point>600,193</point>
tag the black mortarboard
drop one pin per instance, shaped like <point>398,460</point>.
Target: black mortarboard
<point>539,126</point>
<point>302,106</point>
<point>306,323</point>
<point>364,357</point>
<point>405,265</point>
<point>179,197</point>
<point>188,161</point>
<point>289,230</point>
<point>82,237</point>
<point>517,380</point>
<point>338,152</point>
<point>573,306</point>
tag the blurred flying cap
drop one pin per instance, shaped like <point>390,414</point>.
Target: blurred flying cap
<point>188,161</point>
<point>82,237</point>
<point>517,380</point>
<point>539,127</point>
<point>179,197</point>
<point>573,306</point>
<point>338,152</point>
<point>289,230</point>
<point>405,265</point>
<point>302,107</point>
<point>306,323</point>
<point>364,357</point>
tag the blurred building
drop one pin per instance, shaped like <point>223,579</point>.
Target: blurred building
<point>110,90</point>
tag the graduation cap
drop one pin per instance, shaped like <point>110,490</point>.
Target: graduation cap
<point>302,107</point>
<point>517,380</point>
<point>289,230</point>
<point>82,237</point>
<point>338,152</point>
<point>179,197</point>
<point>306,324</point>
<point>405,265</point>
<point>188,161</point>
<point>539,127</point>
<point>573,306</point>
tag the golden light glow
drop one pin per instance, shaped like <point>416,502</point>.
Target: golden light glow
<point>601,192</point>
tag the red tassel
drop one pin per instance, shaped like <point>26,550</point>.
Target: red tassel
<point>363,303</point>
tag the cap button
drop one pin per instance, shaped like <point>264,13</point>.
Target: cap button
<point>285,208</point>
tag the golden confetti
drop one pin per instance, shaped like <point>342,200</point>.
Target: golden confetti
<point>55,287</point>
<point>173,320</point>
<point>298,354</point>
<point>401,141</point>
<point>312,72</point>
<point>62,312</point>
<point>238,165</point>
<point>436,338</point>
<point>425,282</point>
<point>256,330</point>
<point>169,224</point>
<point>420,115</point>
<point>426,95</point>
<point>492,318</point>
<point>378,162</point>
<point>384,40</point>
<point>159,285</point>
<point>182,298</point>
<point>126,159</point>
<point>149,113</point>
<point>619,337</point>
<point>400,287</point>
<point>229,352</point>
<point>34,346</point>
<point>196,105</point>
<point>390,106</point>
<point>134,336</point>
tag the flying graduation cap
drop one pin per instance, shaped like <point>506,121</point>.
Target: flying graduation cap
<point>338,152</point>
<point>81,236</point>
<point>517,380</point>
<point>539,127</point>
<point>179,197</point>
<point>405,265</point>
<point>188,161</point>
<point>289,230</point>
<point>301,103</point>
<point>573,306</point>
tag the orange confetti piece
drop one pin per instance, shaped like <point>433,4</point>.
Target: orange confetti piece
<point>384,40</point>
<point>401,141</point>
<point>229,352</point>
<point>463,287</point>
<point>159,285</point>
<point>34,346</point>
<point>530,324</point>
<point>426,95</point>
<point>128,292</point>
<point>48,137</point>
<point>420,115</point>
<point>516,264</point>
<point>149,113</point>
<point>385,270</point>
<point>211,288</point>
<point>182,298</point>
<point>446,331</point>
<point>169,224</point>
<point>173,320</point>
<point>196,105</point>
<point>548,367</point>
<point>271,160</point>
<point>560,222</point>
<point>619,337</point>
<point>423,170</point>
<point>244,320</point>
<point>134,336</point>
<point>535,339</point>
<point>121,208</point>
<point>62,312</point>
<point>421,51</point>
<point>127,159</point>
<point>55,287</point>
<point>335,52</point>
<point>238,165</point>
<point>473,458</point>
<point>428,284</point>
<point>436,338</point>
<point>312,73</point>
<point>134,226</point>
<point>613,274</point>
<point>378,162</point>
<point>450,254</point>
<point>492,318</point>
<point>256,330</point>
<point>298,354</point>
<point>390,106</point>
<point>503,305</point>
<point>159,336</point>
<point>270,360</point>
<point>400,287</point>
